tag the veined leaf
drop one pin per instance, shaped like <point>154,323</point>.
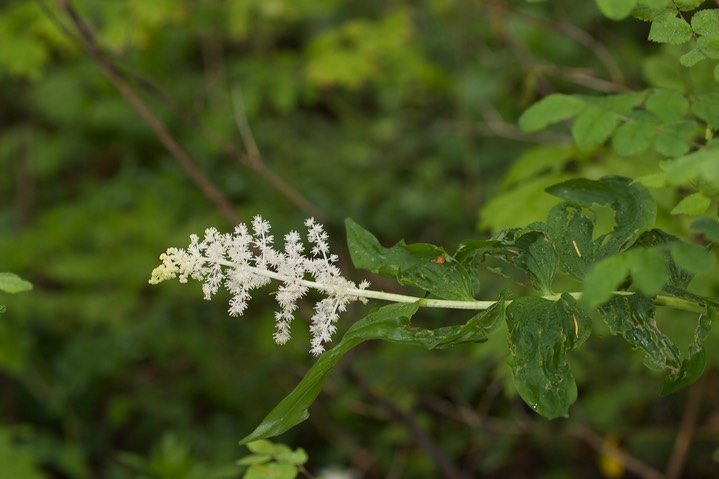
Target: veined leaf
<point>571,232</point>
<point>425,266</point>
<point>706,22</point>
<point>668,28</point>
<point>632,316</point>
<point>667,105</point>
<point>550,109</point>
<point>540,334</point>
<point>593,126</point>
<point>633,137</point>
<point>635,209</point>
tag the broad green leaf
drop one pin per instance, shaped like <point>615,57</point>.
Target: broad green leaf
<point>621,104</point>
<point>707,227</point>
<point>648,269</point>
<point>692,258</point>
<point>653,180</point>
<point>412,265</point>
<point>686,5</point>
<point>668,105</point>
<point>709,47</point>
<point>706,107</point>
<point>263,446</point>
<point>292,410</point>
<point>253,459</point>
<point>693,366</point>
<point>592,127</point>
<point>632,316</point>
<point>537,160</point>
<point>692,57</point>
<point>706,22</point>
<point>12,283</point>
<point>701,163</point>
<point>694,205</point>
<point>635,209</point>
<point>540,334</point>
<point>678,277</point>
<point>616,9</point>
<point>602,280</point>
<point>633,137</point>
<point>531,250</point>
<point>668,28</point>
<point>571,232</point>
<point>550,109</point>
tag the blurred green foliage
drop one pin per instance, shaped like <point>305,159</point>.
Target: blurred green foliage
<point>398,114</point>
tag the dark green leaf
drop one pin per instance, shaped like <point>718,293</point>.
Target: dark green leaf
<point>593,126</point>
<point>632,316</point>
<point>550,109</point>
<point>571,232</point>
<point>635,210</point>
<point>668,28</point>
<point>425,266</point>
<point>708,227</point>
<point>540,334</point>
<point>292,410</point>
<point>693,366</point>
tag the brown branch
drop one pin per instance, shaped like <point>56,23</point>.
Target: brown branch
<point>162,133</point>
<point>686,430</point>
<point>424,440</point>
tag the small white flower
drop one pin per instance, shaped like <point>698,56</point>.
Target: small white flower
<point>243,261</point>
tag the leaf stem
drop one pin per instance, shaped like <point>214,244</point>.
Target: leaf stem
<point>668,301</point>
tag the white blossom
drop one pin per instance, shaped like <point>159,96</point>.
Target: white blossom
<point>243,261</point>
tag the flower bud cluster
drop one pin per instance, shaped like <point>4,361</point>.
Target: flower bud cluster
<point>243,261</point>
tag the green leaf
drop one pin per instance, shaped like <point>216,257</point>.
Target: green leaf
<point>263,446</point>
<point>692,57</point>
<point>635,209</point>
<point>571,232</point>
<point>678,277</point>
<point>12,283</point>
<point>675,139</point>
<point>550,109</point>
<point>633,137</point>
<point>686,5</point>
<point>648,269</point>
<point>272,470</point>
<point>692,258</point>
<point>253,459</point>
<point>667,105</point>
<point>540,334</point>
<point>602,280</point>
<point>537,160</point>
<point>694,205</point>
<point>592,127</point>
<point>706,22</point>
<point>709,47</point>
<point>530,249</point>
<point>616,9</point>
<point>632,316</point>
<point>707,227</point>
<point>668,28</point>
<point>693,366</point>
<point>412,265</point>
<point>292,410</point>
<point>706,107</point>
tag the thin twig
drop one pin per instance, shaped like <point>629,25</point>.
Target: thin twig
<point>163,134</point>
<point>686,430</point>
<point>630,462</point>
<point>424,440</point>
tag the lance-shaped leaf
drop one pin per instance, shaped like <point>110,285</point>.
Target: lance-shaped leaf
<point>632,316</point>
<point>634,208</point>
<point>389,323</point>
<point>693,366</point>
<point>425,266</point>
<point>541,332</point>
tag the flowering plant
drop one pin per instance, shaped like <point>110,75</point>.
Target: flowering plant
<point>625,274</point>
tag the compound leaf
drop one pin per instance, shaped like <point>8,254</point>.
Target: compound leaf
<point>668,28</point>
<point>550,109</point>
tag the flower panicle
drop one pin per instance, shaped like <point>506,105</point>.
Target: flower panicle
<point>247,259</point>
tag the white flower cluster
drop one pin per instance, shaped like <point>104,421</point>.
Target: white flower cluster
<point>243,261</point>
